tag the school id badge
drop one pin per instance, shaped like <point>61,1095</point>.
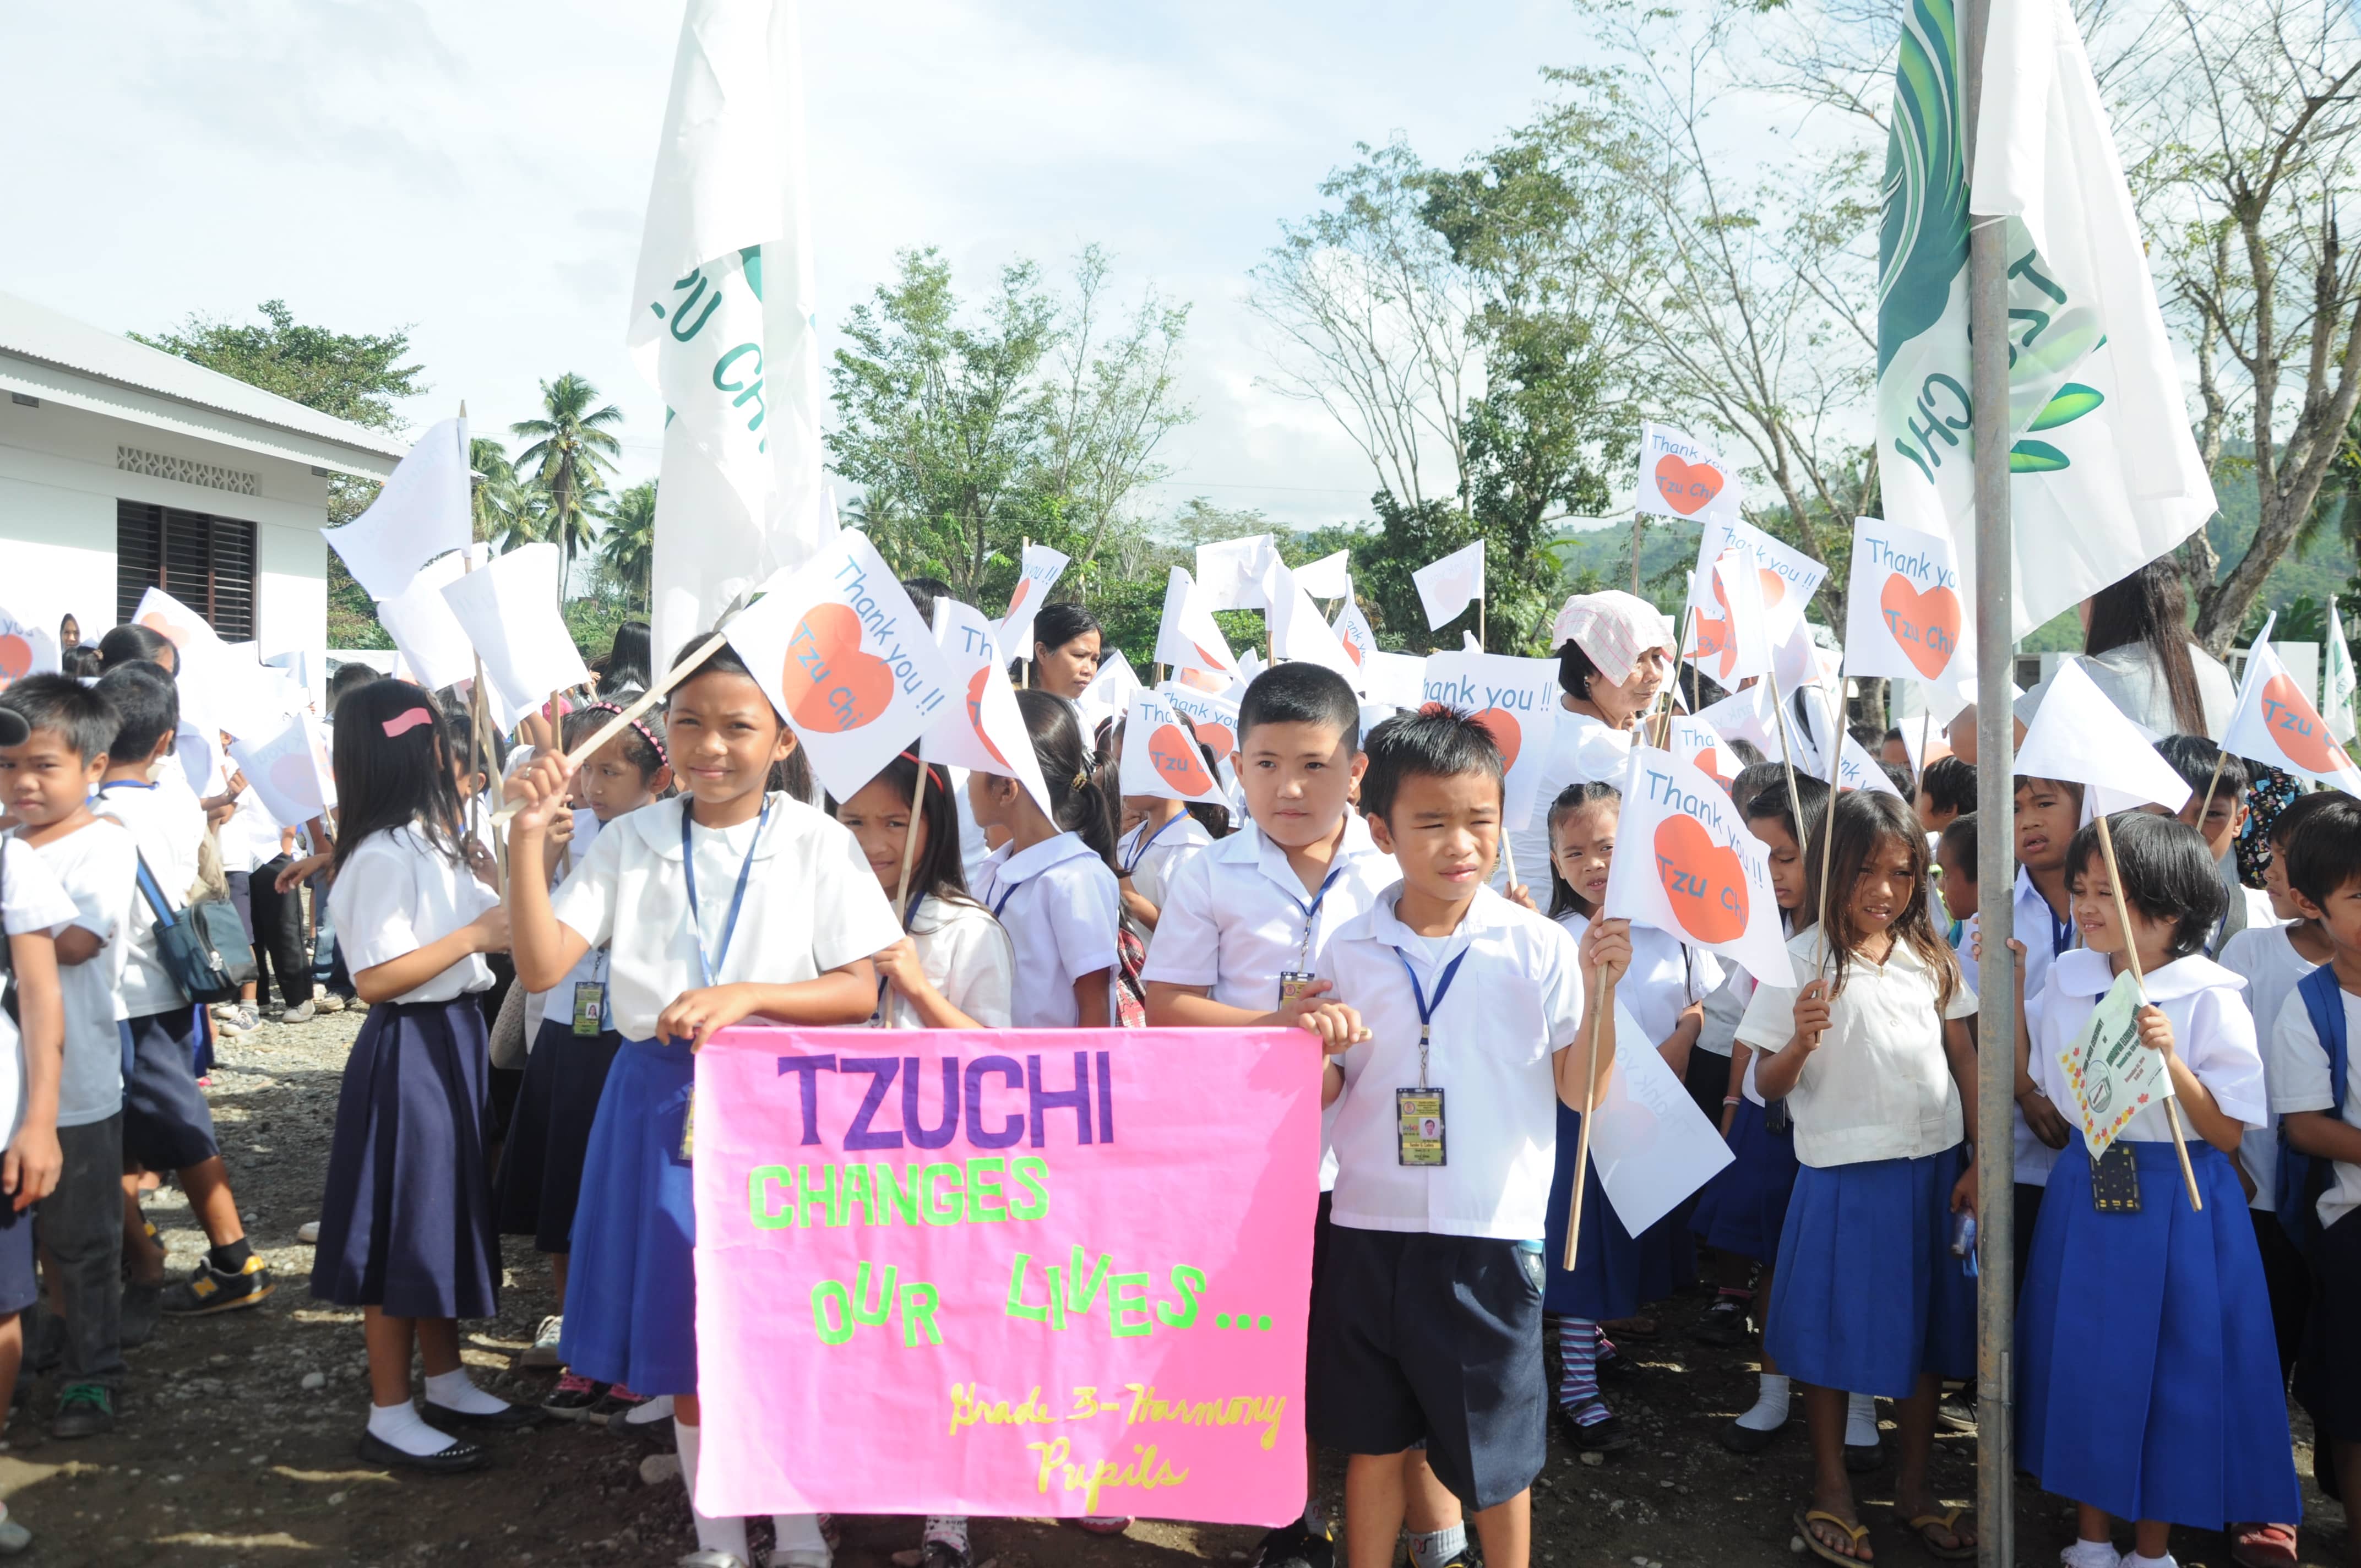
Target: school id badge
<point>589,1007</point>
<point>1418,1130</point>
<point>1291,984</point>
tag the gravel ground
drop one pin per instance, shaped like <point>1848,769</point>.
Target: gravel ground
<point>237,1445</point>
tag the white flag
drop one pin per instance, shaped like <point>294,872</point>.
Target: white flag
<point>232,688</point>
<point>841,654</point>
<point>508,610</point>
<point>1446,587</point>
<point>1788,576</point>
<point>1734,640</point>
<point>1695,742</point>
<point>1036,573</point>
<point>1352,628</point>
<point>1329,578</point>
<point>1680,477</point>
<point>288,769</point>
<point>429,637</point>
<point>1396,679</point>
<point>2337,684</point>
<point>983,730</point>
<point>2274,722</point>
<point>1904,615</point>
<point>1651,1147</point>
<point>2082,738</point>
<point>1516,702</point>
<point>1109,693</point>
<point>25,650</point>
<point>423,509</point>
<point>1216,720</point>
<point>722,319</point>
<point>1188,638</point>
<point>1160,756</point>
<point>1687,864</point>
<point>1297,631</point>
<point>2104,474</point>
<point>1229,572</point>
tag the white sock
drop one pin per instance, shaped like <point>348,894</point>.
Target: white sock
<point>656,1410</point>
<point>2134,1559</point>
<point>1436,1548</point>
<point>712,1535</point>
<point>801,1545</point>
<point>1314,1519</point>
<point>454,1391</point>
<point>402,1427</point>
<point>1861,1420</point>
<point>949,1529</point>
<point>1769,1410</point>
<point>2090,1554</point>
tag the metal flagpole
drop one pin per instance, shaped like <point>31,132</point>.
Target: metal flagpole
<point>1995,854</point>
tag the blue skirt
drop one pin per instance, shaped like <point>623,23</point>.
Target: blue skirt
<point>1614,1271</point>
<point>1868,1296</point>
<point>540,1179</point>
<point>630,1288</point>
<point>406,1221</point>
<point>2148,1380</point>
<point>1744,1207</point>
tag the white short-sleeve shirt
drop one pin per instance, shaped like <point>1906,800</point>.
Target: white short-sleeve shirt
<point>1149,857</point>
<point>166,826</point>
<point>1515,1001</point>
<point>967,956</point>
<point>2267,960</point>
<point>2212,1031</point>
<point>97,865</point>
<point>2300,1082</point>
<point>32,900</point>
<point>1582,751</point>
<point>591,968</point>
<point>395,894</point>
<point>1061,906</point>
<point>1879,1085</point>
<point>812,904</point>
<point>1237,917</point>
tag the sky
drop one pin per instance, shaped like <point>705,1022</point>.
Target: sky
<point>476,173</point>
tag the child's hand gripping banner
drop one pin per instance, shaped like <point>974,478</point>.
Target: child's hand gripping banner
<point>1687,865</point>
<point>1516,702</point>
<point>1005,1273</point>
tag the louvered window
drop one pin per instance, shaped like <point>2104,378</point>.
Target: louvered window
<point>206,563</point>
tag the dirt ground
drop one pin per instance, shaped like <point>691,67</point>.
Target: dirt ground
<point>225,1455</point>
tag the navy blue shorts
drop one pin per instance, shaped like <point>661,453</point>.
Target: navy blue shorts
<point>19,1289</point>
<point>167,1125</point>
<point>1418,1337</point>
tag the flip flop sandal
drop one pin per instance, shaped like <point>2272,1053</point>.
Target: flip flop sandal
<point>1947,1521</point>
<point>2264,1546</point>
<point>1804,1519</point>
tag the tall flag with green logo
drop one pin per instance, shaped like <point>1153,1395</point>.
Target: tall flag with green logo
<point>2104,472</point>
<point>721,318</point>
<point>2338,685</point>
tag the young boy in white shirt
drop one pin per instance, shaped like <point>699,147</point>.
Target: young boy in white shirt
<point>1454,1024</point>
<point>1242,925</point>
<point>48,778</point>
<point>166,1124</point>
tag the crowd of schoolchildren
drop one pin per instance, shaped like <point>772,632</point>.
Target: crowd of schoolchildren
<point>688,875</point>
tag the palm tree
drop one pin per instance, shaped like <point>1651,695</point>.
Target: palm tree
<point>627,552</point>
<point>495,494</point>
<point>571,455</point>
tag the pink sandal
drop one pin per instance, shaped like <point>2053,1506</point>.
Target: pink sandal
<point>2263,1546</point>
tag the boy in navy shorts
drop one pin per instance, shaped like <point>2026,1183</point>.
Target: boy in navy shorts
<point>1456,1018</point>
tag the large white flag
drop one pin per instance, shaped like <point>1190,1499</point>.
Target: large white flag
<point>2081,736</point>
<point>1187,637</point>
<point>508,607</point>
<point>2274,722</point>
<point>1297,631</point>
<point>421,511</point>
<point>721,318</point>
<point>2104,473</point>
<point>1689,865</point>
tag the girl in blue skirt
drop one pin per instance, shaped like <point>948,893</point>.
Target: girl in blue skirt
<point>1872,1057</point>
<point>406,1230</point>
<point>732,900</point>
<point>2149,1383</point>
<point>1663,991</point>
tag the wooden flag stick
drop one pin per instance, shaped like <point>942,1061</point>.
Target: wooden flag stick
<point>1603,988</point>
<point>2131,957</point>
<point>640,705</point>
<point>1786,756</point>
<point>1828,821</point>
<point>557,735</point>
<point>1670,691</point>
<point>910,846</point>
<point>2220,757</point>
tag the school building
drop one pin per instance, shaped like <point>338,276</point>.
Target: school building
<point>123,467</point>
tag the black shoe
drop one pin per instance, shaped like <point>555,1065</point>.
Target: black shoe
<point>1598,1437</point>
<point>1860,1461</point>
<point>1958,1409</point>
<point>1615,1368</point>
<point>207,1289</point>
<point>574,1398</point>
<point>1724,1325</point>
<point>1747,1440</point>
<point>1295,1545</point>
<point>84,1410</point>
<point>508,1418</point>
<point>461,1455</point>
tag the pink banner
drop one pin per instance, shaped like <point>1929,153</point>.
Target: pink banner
<point>1020,1272</point>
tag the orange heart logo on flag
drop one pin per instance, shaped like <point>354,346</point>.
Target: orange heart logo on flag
<point>1177,760</point>
<point>156,621</point>
<point>1926,625</point>
<point>1687,488</point>
<point>829,683</point>
<point>1506,732</point>
<point>2299,728</point>
<point>975,712</point>
<point>1201,680</point>
<point>15,657</point>
<point>1016,600</point>
<point>1217,736</point>
<point>1704,881</point>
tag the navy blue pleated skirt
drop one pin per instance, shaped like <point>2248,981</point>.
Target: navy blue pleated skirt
<point>1868,1296</point>
<point>1744,1207</point>
<point>406,1221</point>
<point>1614,1271</point>
<point>630,1285</point>
<point>539,1177</point>
<point>2148,1381</point>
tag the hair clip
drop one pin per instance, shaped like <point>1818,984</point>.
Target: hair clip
<point>656,742</point>
<point>1082,778</point>
<point>405,722</point>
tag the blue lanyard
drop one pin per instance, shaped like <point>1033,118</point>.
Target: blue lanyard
<point>2061,932</point>
<point>711,966</point>
<point>1147,842</point>
<point>1312,914</point>
<point>1425,1008</point>
<point>1007,894</point>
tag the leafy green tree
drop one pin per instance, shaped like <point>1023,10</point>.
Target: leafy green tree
<point>627,551</point>
<point>574,449</point>
<point>496,496</point>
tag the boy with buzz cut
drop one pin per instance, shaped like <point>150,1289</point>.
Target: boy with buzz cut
<point>1243,925</point>
<point>166,1124</point>
<point>48,778</point>
<point>1453,1026</point>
